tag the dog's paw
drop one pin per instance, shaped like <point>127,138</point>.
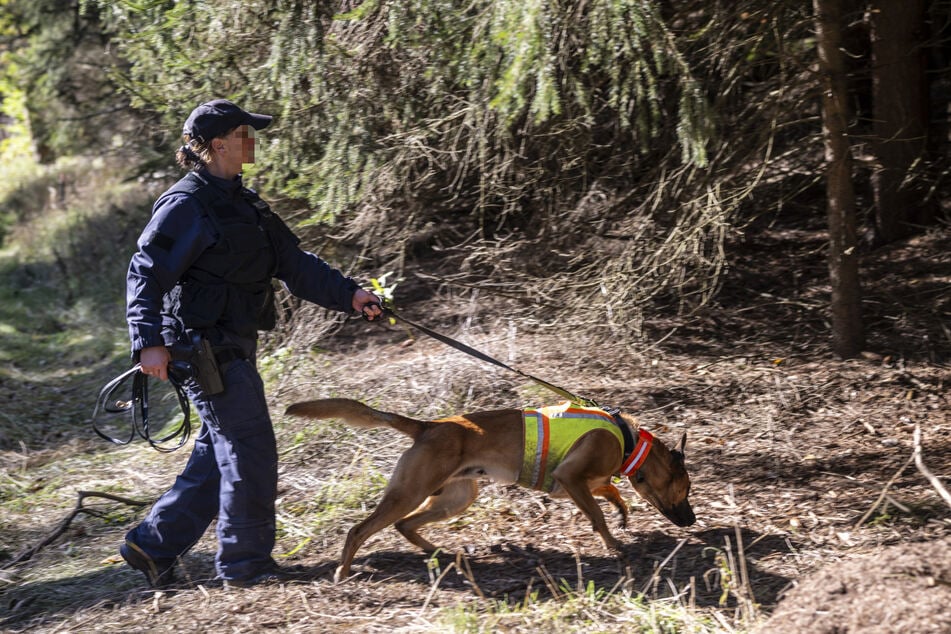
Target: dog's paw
<point>341,574</point>
<point>614,545</point>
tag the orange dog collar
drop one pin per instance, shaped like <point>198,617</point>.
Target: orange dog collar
<point>645,440</point>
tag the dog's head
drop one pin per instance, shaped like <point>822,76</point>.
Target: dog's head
<point>662,481</point>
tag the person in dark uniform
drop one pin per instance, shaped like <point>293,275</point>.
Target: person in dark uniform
<point>202,275</point>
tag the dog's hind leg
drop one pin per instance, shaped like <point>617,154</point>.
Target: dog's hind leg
<point>452,499</point>
<point>394,505</point>
<point>417,475</point>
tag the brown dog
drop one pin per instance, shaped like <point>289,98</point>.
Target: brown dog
<point>436,477</point>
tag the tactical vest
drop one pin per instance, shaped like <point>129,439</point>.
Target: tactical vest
<point>550,432</point>
<point>229,285</point>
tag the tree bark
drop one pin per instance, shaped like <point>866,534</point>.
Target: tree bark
<point>847,335</point>
<point>900,111</point>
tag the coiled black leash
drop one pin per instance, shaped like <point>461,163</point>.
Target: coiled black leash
<point>574,398</point>
<point>138,406</point>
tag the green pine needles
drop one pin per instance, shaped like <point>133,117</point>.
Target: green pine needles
<point>410,123</point>
<point>353,86</point>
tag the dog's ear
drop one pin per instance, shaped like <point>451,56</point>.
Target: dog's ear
<point>683,442</point>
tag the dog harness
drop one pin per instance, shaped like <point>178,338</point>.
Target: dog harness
<point>550,432</point>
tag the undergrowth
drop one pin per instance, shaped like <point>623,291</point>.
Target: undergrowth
<point>62,293</point>
<point>591,610</point>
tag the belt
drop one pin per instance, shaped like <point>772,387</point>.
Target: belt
<point>226,355</point>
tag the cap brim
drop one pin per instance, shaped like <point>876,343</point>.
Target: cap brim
<point>259,121</point>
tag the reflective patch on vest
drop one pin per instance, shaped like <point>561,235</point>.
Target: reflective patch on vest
<point>550,433</point>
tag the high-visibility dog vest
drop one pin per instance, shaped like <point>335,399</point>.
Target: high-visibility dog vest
<point>550,432</point>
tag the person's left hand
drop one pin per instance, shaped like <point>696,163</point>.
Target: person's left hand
<point>367,303</point>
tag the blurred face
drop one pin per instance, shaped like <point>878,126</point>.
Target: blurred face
<point>232,151</point>
<point>246,135</point>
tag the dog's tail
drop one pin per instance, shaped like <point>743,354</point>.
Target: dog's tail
<point>357,414</point>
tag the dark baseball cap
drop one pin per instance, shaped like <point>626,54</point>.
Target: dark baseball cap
<point>214,118</point>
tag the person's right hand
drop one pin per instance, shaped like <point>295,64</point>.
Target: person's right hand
<point>368,304</point>
<point>154,361</point>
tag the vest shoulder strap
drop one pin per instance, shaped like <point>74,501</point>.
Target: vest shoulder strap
<point>204,192</point>
<point>192,183</point>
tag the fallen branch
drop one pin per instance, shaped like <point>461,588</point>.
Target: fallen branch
<point>28,554</point>
<point>935,482</point>
<point>883,494</point>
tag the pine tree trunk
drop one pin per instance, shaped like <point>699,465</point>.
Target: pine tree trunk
<point>900,112</point>
<point>847,337</point>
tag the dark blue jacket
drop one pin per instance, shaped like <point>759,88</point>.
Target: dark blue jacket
<point>180,232</point>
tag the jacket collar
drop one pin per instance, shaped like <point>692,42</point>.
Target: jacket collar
<point>230,186</point>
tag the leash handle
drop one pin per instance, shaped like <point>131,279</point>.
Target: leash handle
<point>138,407</point>
<point>367,316</point>
<point>574,398</point>
<point>105,397</point>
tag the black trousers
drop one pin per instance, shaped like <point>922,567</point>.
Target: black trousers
<point>231,474</point>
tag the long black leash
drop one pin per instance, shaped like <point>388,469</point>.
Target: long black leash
<point>137,406</point>
<point>574,398</point>
<point>629,443</point>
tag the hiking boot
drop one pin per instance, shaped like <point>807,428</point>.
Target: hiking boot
<point>159,573</point>
<point>270,575</point>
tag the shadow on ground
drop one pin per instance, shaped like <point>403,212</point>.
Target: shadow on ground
<point>509,571</point>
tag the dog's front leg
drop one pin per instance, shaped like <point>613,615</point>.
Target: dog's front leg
<point>610,493</point>
<point>581,496</point>
<point>589,460</point>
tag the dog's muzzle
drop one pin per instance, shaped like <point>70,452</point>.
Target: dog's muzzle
<point>681,514</point>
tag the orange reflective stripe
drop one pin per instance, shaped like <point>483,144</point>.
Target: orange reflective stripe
<point>535,456</point>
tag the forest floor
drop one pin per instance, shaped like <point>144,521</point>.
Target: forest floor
<point>811,515</point>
